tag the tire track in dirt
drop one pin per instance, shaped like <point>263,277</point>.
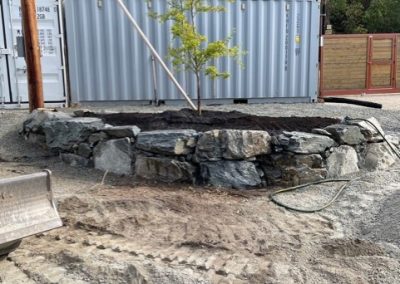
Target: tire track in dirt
<point>203,260</point>
<point>10,273</point>
<point>79,258</point>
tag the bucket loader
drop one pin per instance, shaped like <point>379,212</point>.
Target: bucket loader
<point>26,208</point>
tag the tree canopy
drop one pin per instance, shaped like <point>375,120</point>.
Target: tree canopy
<point>364,16</point>
<point>192,50</point>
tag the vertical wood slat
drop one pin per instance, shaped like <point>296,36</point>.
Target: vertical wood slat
<point>345,62</point>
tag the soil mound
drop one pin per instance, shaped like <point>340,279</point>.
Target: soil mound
<point>188,119</point>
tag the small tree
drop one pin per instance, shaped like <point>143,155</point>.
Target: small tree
<point>192,50</point>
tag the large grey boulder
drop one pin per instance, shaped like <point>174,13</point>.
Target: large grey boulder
<point>369,131</point>
<point>378,156</point>
<point>232,144</point>
<point>164,169</point>
<point>64,134</point>
<point>236,174</point>
<point>38,117</point>
<point>209,146</point>
<point>244,144</point>
<point>346,134</point>
<point>342,161</point>
<point>293,169</point>
<point>168,142</point>
<point>304,143</point>
<point>114,156</point>
<point>130,131</point>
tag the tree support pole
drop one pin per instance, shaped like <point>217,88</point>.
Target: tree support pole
<point>32,54</point>
<point>155,54</point>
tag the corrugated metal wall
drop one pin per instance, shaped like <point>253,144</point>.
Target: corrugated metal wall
<point>109,62</point>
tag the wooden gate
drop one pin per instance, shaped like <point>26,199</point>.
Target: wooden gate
<point>357,64</point>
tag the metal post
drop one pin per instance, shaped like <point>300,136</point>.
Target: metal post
<point>155,91</point>
<point>32,54</point>
<point>2,98</point>
<point>154,52</point>
<point>64,58</point>
<point>15,55</point>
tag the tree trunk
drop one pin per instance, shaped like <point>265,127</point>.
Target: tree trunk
<point>198,93</point>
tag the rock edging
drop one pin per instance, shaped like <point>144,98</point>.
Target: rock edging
<point>226,157</point>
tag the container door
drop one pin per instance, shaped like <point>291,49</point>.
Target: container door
<point>50,46</point>
<point>4,53</point>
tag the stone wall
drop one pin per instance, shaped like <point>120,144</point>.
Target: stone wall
<point>227,158</point>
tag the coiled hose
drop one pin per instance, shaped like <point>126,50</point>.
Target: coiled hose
<point>348,120</point>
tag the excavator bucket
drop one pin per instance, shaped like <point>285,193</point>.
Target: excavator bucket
<point>26,208</point>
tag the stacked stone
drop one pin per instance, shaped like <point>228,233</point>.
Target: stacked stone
<point>166,155</point>
<point>83,141</point>
<point>229,157</point>
<point>226,157</point>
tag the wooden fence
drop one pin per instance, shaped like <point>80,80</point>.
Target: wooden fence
<point>356,64</point>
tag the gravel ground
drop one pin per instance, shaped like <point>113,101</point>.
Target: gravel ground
<point>125,232</point>
<point>389,101</point>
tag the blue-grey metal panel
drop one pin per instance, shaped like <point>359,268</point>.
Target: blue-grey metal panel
<point>109,62</point>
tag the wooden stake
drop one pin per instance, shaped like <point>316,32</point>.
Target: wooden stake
<point>32,54</point>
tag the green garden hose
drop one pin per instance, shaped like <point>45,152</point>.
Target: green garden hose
<point>342,188</point>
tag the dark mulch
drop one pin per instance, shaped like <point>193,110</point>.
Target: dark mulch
<point>188,119</point>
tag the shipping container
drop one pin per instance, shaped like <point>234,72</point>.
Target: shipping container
<point>108,61</point>
<point>13,75</point>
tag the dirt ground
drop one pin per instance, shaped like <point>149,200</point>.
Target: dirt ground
<point>126,232</point>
